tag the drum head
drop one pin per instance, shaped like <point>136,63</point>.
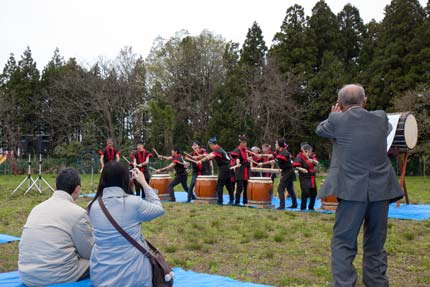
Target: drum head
<point>411,131</point>
<point>260,179</point>
<point>207,177</point>
<point>162,175</point>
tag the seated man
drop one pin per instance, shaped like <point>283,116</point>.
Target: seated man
<point>56,241</point>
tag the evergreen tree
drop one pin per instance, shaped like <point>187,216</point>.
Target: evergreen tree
<point>253,52</point>
<point>292,48</point>
<point>391,63</point>
<point>352,33</point>
<point>324,32</point>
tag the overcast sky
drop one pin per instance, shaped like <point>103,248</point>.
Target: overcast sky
<point>87,29</point>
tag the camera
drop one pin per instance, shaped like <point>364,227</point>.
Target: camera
<point>130,174</point>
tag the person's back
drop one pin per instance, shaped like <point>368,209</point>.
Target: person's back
<point>56,241</point>
<point>362,178</point>
<point>359,155</point>
<point>115,261</point>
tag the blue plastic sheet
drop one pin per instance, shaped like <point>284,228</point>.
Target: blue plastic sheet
<point>182,279</point>
<point>405,211</point>
<point>4,238</point>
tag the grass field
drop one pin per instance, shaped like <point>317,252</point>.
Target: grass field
<point>264,246</point>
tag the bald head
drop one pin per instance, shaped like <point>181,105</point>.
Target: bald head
<point>351,95</point>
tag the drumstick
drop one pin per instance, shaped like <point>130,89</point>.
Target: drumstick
<point>187,154</point>
<point>269,170</point>
<point>125,159</point>
<point>158,155</point>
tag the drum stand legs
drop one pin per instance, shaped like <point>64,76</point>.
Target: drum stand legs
<point>403,164</point>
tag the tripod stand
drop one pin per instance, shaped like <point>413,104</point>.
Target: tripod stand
<point>31,182</point>
<point>29,179</point>
<point>39,179</point>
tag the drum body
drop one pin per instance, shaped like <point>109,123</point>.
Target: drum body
<point>206,189</point>
<point>160,182</point>
<point>406,135</point>
<point>260,192</point>
<point>329,203</point>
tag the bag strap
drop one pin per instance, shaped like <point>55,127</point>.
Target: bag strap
<point>123,232</point>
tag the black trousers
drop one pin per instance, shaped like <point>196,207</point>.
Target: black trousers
<point>350,215</point>
<point>286,182</point>
<point>191,195</point>
<point>138,187</point>
<point>241,186</point>
<point>224,179</point>
<point>308,193</point>
<point>179,179</point>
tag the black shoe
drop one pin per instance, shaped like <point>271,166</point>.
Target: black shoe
<point>230,202</point>
<point>173,200</point>
<point>302,208</point>
<point>292,206</point>
<point>280,208</point>
<point>311,209</point>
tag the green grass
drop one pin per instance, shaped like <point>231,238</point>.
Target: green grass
<point>263,246</point>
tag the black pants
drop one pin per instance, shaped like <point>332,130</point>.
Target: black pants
<point>286,182</point>
<point>191,188</point>
<point>224,180</point>
<point>241,186</point>
<point>350,215</point>
<point>138,187</point>
<point>179,179</point>
<point>308,193</point>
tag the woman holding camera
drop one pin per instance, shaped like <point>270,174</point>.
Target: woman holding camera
<point>114,261</point>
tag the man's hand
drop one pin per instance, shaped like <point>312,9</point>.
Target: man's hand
<point>336,108</point>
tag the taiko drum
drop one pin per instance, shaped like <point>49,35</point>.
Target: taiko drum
<point>260,192</point>
<point>160,182</point>
<point>329,203</point>
<point>206,188</point>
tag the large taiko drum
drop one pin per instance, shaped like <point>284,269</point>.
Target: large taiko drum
<point>206,189</point>
<point>406,135</point>
<point>329,203</point>
<point>161,182</point>
<point>260,192</point>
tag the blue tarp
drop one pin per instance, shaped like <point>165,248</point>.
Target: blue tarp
<point>182,279</point>
<point>405,211</point>
<point>4,238</point>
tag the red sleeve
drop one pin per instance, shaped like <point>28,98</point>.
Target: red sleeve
<point>100,152</point>
<point>118,152</point>
<point>297,164</point>
<point>234,154</point>
<point>187,156</point>
<point>281,157</point>
<point>217,154</point>
<point>132,156</point>
<point>176,161</point>
<point>150,155</point>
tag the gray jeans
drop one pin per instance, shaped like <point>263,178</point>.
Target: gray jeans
<point>350,215</point>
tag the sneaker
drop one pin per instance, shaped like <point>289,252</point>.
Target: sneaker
<point>280,208</point>
<point>292,206</point>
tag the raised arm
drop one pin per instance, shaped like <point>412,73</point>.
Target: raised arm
<point>151,207</point>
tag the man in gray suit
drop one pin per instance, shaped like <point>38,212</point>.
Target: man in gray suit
<point>363,180</point>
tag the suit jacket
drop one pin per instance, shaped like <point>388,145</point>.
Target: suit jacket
<point>360,169</point>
